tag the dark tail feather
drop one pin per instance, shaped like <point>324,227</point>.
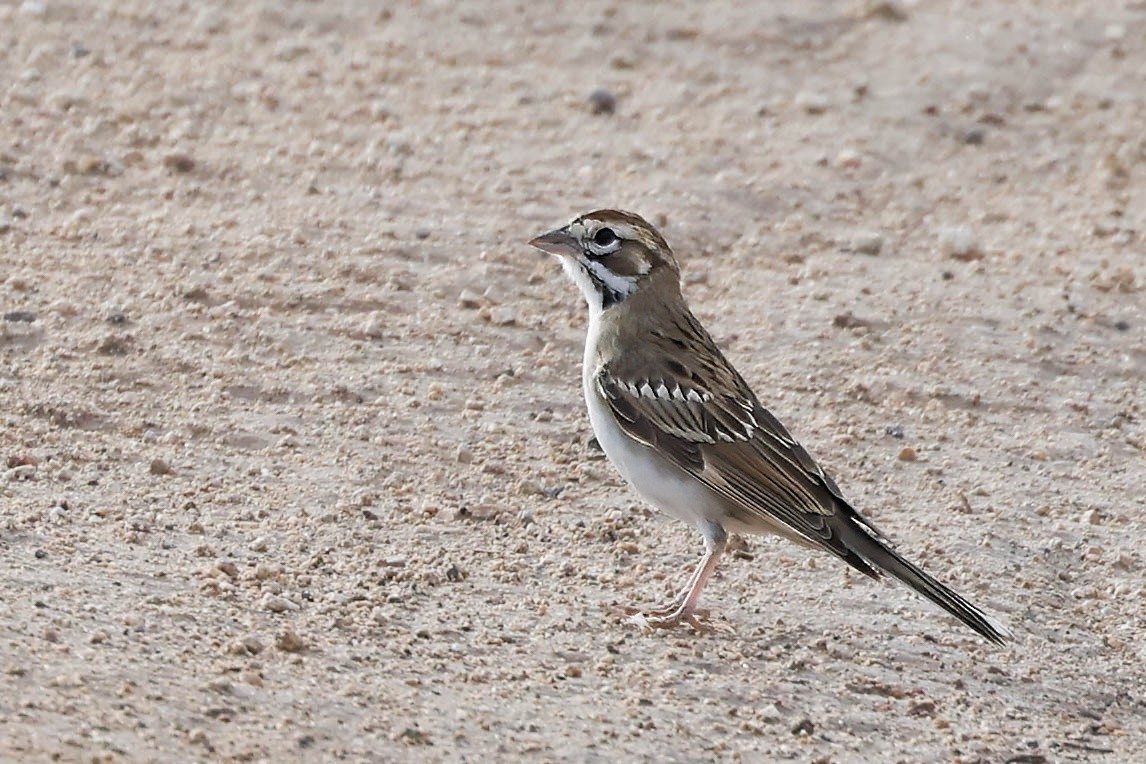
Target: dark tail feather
<point>890,561</point>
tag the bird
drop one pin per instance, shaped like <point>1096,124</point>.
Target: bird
<point>686,431</point>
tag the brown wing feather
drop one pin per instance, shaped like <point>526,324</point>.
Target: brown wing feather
<point>738,449</point>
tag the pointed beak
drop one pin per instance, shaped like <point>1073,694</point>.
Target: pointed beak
<point>559,242</point>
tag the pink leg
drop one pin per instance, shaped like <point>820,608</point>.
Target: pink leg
<point>683,608</point>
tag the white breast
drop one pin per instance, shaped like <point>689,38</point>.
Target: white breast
<point>655,478</point>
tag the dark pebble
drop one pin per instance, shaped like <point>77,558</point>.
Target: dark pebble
<point>20,316</point>
<point>848,321</point>
<point>894,430</point>
<point>974,136</point>
<point>1122,325</point>
<point>803,727</point>
<point>601,101</point>
<point>179,162</point>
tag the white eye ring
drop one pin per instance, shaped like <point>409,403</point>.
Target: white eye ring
<point>604,241</point>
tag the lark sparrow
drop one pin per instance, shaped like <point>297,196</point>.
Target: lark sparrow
<point>684,429</point>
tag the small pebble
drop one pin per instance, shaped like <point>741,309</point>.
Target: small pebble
<point>973,136</point>
<point>923,708</point>
<point>277,604</point>
<point>229,569</point>
<point>20,316</point>
<point>907,454</point>
<point>289,641</point>
<point>889,10</point>
<point>160,467</point>
<point>413,736</point>
<point>33,8</point>
<point>803,727</point>
<point>179,162</point>
<point>469,299</point>
<point>252,644</point>
<point>812,102</point>
<point>21,472</point>
<point>399,145</point>
<point>502,315</point>
<point>210,21</point>
<point>848,159</point>
<point>601,101</point>
<point>848,321</point>
<point>868,243</point>
<point>1114,32</point>
<point>959,243</point>
<point>291,50</point>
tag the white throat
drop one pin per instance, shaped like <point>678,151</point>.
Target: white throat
<point>601,278</point>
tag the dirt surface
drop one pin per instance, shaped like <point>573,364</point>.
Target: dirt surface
<point>296,462</point>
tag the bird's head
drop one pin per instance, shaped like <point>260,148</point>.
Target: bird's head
<point>611,255</point>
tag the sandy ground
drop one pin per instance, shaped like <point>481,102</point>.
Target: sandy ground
<point>296,464</point>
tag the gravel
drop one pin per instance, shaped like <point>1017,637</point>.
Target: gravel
<point>382,533</point>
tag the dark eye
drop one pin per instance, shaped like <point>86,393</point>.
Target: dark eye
<point>604,237</point>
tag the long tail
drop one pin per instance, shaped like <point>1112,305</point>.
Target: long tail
<point>886,559</point>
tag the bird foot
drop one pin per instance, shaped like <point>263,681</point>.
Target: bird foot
<point>699,620</point>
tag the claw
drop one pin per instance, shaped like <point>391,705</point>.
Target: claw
<point>698,620</point>
<point>683,608</point>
